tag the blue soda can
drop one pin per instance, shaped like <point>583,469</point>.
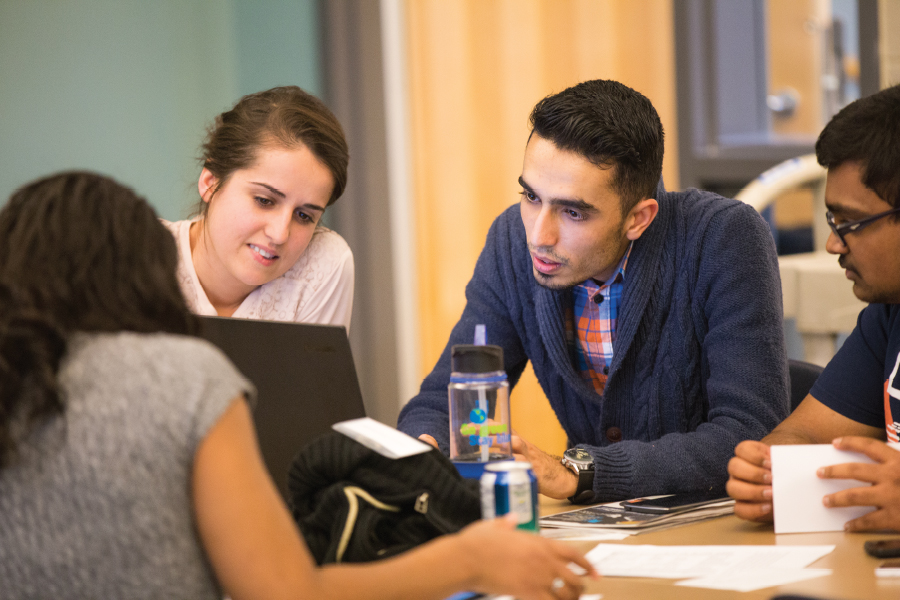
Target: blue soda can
<point>510,487</point>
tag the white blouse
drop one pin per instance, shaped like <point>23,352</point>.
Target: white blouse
<point>317,289</point>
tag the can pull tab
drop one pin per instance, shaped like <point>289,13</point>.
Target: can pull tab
<point>480,335</point>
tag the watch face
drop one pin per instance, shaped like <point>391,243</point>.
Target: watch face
<point>579,455</point>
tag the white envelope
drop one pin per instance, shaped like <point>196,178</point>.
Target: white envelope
<point>381,438</point>
<point>797,491</point>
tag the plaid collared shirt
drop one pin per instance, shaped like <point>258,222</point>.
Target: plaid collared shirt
<point>592,325</point>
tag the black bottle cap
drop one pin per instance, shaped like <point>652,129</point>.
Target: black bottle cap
<point>468,358</point>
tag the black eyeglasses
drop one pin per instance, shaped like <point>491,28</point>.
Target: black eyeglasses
<point>853,226</point>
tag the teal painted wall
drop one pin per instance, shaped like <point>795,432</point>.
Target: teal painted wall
<point>127,87</point>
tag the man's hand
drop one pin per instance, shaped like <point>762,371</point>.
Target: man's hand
<point>429,440</point>
<point>553,478</point>
<point>884,475</point>
<point>750,481</point>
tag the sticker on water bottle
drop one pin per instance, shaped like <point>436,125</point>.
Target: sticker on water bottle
<point>479,431</point>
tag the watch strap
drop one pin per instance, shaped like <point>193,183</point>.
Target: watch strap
<point>584,470</point>
<point>585,490</point>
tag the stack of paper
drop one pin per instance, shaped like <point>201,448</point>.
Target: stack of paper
<point>582,597</point>
<point>574,534</point>
<point>614,516</point>
<point>742,568</point>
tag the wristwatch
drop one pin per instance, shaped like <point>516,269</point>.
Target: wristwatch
<point>581,463</point>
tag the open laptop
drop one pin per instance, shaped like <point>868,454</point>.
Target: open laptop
<point>305,378</point>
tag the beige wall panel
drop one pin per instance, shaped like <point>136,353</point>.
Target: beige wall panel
<point>477,67</point>
<point>645,60</point>
<point>889,41</point>
<point>794,209</point>
<point>796,54</point>
<point>444,175</point>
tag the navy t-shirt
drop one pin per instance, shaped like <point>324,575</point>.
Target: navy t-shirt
<point>861,382</point>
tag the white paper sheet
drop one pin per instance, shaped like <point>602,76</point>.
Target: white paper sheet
<point>797,491</point>
<point>384,440</point>
<point>679,562</point>
<point>748,580</point>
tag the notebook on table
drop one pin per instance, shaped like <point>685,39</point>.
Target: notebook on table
<point>305,378</point>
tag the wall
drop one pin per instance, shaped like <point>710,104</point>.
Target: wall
<point>889,41</point>
<point>127,87</point>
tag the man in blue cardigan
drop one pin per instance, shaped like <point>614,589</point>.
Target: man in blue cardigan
<point>652,319</point>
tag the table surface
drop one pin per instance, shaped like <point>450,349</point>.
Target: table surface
<point>852,578</point>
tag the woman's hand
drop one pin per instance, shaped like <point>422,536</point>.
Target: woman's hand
<point>509,561</point>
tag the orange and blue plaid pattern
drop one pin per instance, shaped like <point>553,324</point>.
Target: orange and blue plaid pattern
<point>593,325</point>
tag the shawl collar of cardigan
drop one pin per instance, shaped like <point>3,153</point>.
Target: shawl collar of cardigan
<point>551,305</point>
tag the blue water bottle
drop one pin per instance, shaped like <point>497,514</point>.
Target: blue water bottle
<point>479,406</point>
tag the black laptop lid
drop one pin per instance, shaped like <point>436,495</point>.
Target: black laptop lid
<point>305,378</point>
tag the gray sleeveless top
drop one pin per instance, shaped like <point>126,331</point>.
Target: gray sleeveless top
<point>98,501</point>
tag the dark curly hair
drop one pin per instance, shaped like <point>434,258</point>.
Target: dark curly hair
<point>78,252</point>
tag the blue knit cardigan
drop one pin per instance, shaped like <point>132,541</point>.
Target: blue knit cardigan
<point>699,360</point>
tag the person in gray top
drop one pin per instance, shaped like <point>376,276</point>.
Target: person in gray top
<point>105,516</point>
<point>129,466</point>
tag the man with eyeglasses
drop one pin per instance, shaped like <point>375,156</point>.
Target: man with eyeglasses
<point>855,404</point>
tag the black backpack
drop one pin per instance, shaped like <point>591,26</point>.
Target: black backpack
<point>355,505</point>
